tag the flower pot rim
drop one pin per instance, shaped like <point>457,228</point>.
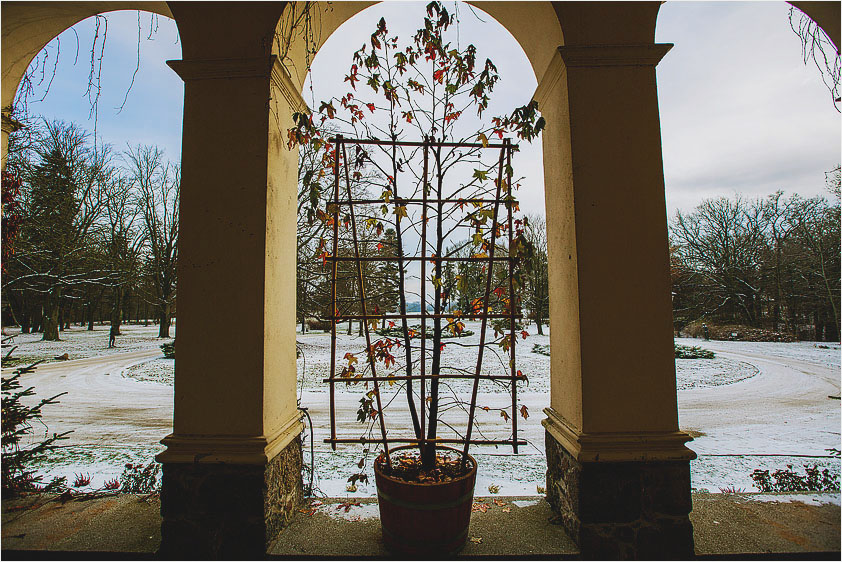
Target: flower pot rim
<point>380,474</point>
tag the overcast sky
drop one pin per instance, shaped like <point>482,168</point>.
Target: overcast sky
<point>740,112</point>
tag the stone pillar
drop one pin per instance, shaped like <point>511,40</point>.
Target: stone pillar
<point>618,469</point>
<point>232,467</point>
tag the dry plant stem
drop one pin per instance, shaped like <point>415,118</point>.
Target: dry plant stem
<point>493,245</point>
<point>424,297</point>
<point>369,351</point>
<point>334,312</point>
<point>512,337</point>
<point>429,459</point>
<point>416,424</point>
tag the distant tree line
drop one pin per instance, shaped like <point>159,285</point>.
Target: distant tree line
<point>771,263</point>
<point>89,235</point>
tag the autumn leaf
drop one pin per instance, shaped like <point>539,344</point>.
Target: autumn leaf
<point>481,175</point>
<point>524,412</point>
<point>400,211</point>
<point>483,139</point>
<point>351,358</point>
<point>504,415</point>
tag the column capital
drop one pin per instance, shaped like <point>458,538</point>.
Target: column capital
<point>230,449</point>
<point>592,56</point>
<point>226,69</point>
<point>642,446</point>
<point>649,54</point>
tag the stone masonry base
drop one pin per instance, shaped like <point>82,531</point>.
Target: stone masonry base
<point>218,510</point>
<point>622,510</point>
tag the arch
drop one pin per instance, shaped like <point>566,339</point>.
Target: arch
<point>29,26</point>
<point>534,25</point>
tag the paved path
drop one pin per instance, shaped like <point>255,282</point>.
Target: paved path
<point>101,406</point>
<point>785,409</point>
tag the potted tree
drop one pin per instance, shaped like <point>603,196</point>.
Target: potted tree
<point>418,207</point>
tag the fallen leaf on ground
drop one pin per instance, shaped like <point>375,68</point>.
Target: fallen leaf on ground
<point>483,507</point>
<point>507,510</point>
<point>499,503</point>
<point>347,506</point>
<point>476,540</point>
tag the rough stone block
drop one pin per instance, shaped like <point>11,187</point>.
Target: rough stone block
<point>216,510</point>
<point>622,510</point>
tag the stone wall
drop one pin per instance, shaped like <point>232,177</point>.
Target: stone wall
<point>622,510</point>
<point>216,510</point>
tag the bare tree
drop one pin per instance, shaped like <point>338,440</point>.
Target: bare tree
<point>158,186</point>
<point>122,240</point>
<point>722,240</point>
<point>64,199</point>
<point>537,294</point>
<point>817,46</point>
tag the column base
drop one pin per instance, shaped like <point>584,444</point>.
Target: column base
<point>622,510</point>
<point>226,510</point>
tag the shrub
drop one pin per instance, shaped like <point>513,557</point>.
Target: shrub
<point>692,352</point>
<point>169,349</point>
<point>81,480</point>
<point>316,324</point>
<point>541,349</point>
<point>790,481</point>
<point>139,479</point>
<point>737,332</point>
<point>398,332</point>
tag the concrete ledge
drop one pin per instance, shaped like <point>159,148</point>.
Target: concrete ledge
<point>726,526</point>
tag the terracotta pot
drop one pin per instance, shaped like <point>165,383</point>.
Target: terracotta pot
<point>425,518</point>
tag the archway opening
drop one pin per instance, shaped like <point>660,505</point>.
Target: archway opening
<point>749,134</point>
<point>99,102</point>
<point>511,475</point>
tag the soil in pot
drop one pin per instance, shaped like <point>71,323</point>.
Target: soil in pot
<point>425,513</point>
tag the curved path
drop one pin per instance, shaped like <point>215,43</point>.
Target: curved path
<point>101,406</point>
<point>785,409</point>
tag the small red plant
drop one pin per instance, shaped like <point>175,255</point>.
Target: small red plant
<point>81,480</point>
<point>112,484</point>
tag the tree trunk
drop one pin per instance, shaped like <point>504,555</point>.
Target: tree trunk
<point>51,312</point>
<point>164,320</point>
<point>117,310</point>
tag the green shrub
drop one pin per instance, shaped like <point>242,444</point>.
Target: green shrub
<point>692,352</point>
<point>169,349</point>
<point>790,481</point>
<point>139,479</point>
<point>541,349</point>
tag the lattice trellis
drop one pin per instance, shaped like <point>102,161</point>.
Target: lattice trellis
<point>434,203</point>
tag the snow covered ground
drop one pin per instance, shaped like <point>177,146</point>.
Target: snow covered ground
<point>78,342</point>
<point>756,405</point>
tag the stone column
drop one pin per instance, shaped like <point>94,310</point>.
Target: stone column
<point>618,469</point>
<point>232,467</point>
